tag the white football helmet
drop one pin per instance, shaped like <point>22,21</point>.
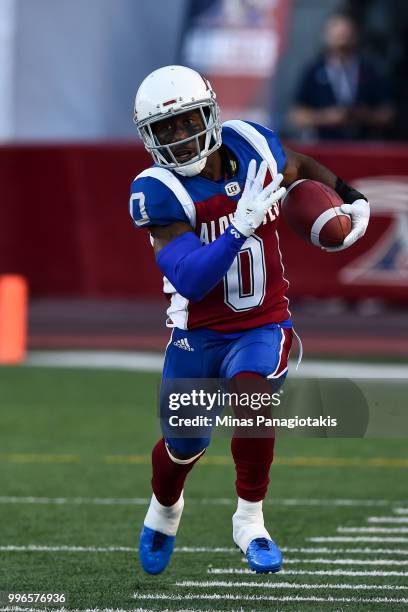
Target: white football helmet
<point>173,90</point>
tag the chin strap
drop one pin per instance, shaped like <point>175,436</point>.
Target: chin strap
<point>192,169</point>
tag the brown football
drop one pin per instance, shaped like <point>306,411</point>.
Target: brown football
<point>312,210</point>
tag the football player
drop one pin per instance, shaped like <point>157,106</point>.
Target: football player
<point>210,204</point>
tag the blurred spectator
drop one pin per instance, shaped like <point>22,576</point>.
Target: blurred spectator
<point>342,95</point>
<point>384,35</point>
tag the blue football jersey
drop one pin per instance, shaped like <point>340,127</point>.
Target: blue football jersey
<point>252,293</point>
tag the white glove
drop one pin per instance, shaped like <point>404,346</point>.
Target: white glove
<point>359,211</point>
<point>255,199</point>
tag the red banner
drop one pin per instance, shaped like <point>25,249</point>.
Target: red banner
<point>65,224</point>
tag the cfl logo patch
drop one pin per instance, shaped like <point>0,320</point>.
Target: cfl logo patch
<point>232,188</point>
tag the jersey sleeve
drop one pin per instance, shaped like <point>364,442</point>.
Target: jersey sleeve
<point>274,144</point>
<point>153,203</point>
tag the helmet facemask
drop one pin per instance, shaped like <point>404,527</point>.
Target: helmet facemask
<point>163,154</point>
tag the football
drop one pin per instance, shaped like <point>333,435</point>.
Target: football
<point>312,210</point>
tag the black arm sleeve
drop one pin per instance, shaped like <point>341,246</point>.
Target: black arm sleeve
<point>347,193</point>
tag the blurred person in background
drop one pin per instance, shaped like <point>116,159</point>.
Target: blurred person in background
<point>341,95</point>
<point>383,28</point>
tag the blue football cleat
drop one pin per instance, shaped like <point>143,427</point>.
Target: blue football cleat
<point>155,550</point>
<point>264,556</point>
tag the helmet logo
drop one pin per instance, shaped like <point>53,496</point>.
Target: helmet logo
<point>233,188</point>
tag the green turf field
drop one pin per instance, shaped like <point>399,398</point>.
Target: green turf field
<point>74,484</point>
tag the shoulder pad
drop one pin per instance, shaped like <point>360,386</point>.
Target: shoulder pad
<point>265,142</point>
<point>158,198</point>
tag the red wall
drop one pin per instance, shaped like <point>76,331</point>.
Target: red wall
<point>65,222</point>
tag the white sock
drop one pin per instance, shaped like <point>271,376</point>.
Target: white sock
<point>248,523</point>
<point>165,519</point>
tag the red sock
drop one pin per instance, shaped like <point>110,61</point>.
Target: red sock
<point>168,477</point>
<point>253,456</point>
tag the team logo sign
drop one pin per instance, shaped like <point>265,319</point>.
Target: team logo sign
<point>232,188</point>
<point>386,263</point>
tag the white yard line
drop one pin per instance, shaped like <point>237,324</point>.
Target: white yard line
<point>224,550</point>
<point>138,361</point>
<point>27,609</point>
<point>44,548</point>
<point>227,550</point>
<point>288,585</point>
<point>282,599</point>
<point>344,503</point>
<point>347,551</point>
<point>401,510</point>
<point>396,520</point>
<point>153,362</point>
<point>336,572</point>
<point>61,501</point>
<point>106,549</point>
<point>372,529</point>
<point>216,501</point>
<point>320,561</point>
<point>204,549</point>
<point>138,609</point>
<point>395,540</point>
